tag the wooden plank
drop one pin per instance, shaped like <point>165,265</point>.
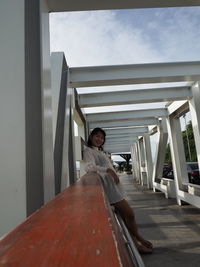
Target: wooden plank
<point>73,229</point>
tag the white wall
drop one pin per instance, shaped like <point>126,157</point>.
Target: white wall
<point>12,115</point>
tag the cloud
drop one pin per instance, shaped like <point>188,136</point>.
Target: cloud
<point>126,37</point>
<point>98,38</point>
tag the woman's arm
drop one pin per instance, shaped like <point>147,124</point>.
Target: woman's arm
<point>114,175</point>
<point>90,165</point>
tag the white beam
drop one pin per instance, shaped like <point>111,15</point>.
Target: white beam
<point>120,140</point>
<point>134,74</point>
<point>141,122</point>
<point>115,136</point>
<point>119,150</point>
<point>119,143</point>
<point>121,131</point>
<point>178,107</point>
<point>79,5</point>
<point>127,115</point>
<point>135,96</point>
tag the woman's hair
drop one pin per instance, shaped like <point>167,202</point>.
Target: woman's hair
<point>93,132</point>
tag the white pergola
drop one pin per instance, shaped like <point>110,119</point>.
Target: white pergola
<point>130,131</point>
<point>38,106</point>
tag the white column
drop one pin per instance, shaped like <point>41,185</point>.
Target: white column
<point>47,114</point>
<point>194,104</point>
<point>137,156</point>
<point>143,174</point>
<point>71,141</point>
<point>160,150</point>
<point>26,166</point>
<point>61,98</point>
<point>177,153</point>
<point>12,115</point>
<point>81,134</point>
<point>148,159</point>
<point>135,162</point>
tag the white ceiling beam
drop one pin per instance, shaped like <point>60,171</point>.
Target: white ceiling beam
<point>127,115</point>
<point>134,74</point>
<point>114,136</point>
<point>178,108</point>
<point>80,5</point>
<point>120,140</point>
<point>140,122</point>
<point>135,96</point>
<point>121,131</point>
<point>118,149</point>
<point>119,144</point>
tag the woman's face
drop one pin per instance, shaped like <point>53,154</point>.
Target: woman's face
<point>97,139</point>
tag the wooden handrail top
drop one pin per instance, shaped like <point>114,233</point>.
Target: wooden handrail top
<point>74,229</point>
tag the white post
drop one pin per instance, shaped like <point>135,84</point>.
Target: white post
<point>136,162</point>
<point>160,150</point>
<point>26,166</point>
<point>194,104</point>
<point>177,153</point>
<point>60,120</point>
<point>148,159</point>
<point>47,115</point>
<point>143,174</point>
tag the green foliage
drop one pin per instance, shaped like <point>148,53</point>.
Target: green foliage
<point>127,157</point>
<point>168,155</point>
<point>189,132</point>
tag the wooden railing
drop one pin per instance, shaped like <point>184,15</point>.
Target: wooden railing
<point>77,228</point>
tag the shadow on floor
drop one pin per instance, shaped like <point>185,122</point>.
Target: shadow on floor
<point>173,229</point>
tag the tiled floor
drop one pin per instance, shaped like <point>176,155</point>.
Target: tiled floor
<point>174,230</point>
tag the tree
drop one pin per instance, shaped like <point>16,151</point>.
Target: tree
<point>127,158</point>
<point>188,143</point>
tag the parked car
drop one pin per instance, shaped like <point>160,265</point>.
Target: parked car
<point>193,172</point>
<point>168,171</point>
<point>192,169</point>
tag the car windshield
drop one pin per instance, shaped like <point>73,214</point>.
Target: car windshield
<point>194,166</point>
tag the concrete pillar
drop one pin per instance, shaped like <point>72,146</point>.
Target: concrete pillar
<point>60,126</point>
<point>148,160</point>
<point>160,150</point>
<point>194,105</point>
<point>71,140</point>
<point>137,157</point>
<point>25,141</point>
<point>47,116</point>
<point>177,153</point>
<point>143,174</point>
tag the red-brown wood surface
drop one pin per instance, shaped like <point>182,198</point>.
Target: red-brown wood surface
<point>71,230</point>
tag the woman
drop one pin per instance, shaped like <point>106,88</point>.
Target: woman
<point>97,161</point>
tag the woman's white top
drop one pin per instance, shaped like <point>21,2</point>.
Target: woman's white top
<point>98,161</point>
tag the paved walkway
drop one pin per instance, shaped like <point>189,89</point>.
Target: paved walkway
<point>174,230</point>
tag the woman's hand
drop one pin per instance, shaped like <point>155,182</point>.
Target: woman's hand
<point>114,175</point>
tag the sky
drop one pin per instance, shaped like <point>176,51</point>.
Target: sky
<point>126,36</point>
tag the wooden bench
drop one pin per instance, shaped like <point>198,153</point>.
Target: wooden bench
<point>193,189</point>
<point>76,228</point>
<point>167,186</point>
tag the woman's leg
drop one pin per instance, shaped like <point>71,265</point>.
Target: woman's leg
<point>128,216</point>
